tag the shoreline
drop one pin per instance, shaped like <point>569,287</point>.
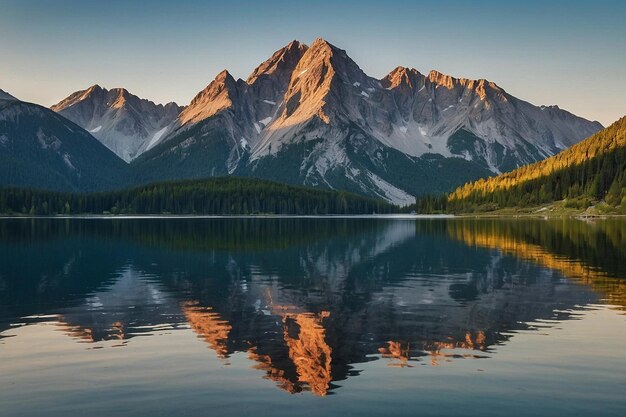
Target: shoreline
<point>398,216</point>
<point>545,216</point>
<point>500,214</point>
<point>579,216</point>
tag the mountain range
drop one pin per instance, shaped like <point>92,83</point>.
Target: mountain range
<point>309,115</point>
<point>123,122</point>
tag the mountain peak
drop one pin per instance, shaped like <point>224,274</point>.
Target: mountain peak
<point>334,59</point>
<point>224,75</point>
<point>6,96</point>
<point>449,81</point>
<point>76,97</point>
<point>94,90</point>
<point>121,121</point>
<point>442,79</point>
<point>217,96</point>
<point>283,60</point>
<point>222,83</point>
<point>322,43</point>
<point>402,76</point>
<point>295,44</point>
<point>94,87</point>
<point>322,48</point>
<point>121,97</point>
<point>324,86</point>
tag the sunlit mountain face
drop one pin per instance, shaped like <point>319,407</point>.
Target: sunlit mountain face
<point>307,302</point>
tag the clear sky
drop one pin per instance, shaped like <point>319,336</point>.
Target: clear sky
<point>570,53</point>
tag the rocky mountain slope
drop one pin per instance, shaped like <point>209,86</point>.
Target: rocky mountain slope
<point>123,122</point>
<point>310,115</point>
<point>41,149</point>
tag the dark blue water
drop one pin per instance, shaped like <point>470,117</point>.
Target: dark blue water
<point>312,316</point>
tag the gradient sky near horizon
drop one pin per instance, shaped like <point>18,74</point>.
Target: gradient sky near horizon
<point>570,53</point>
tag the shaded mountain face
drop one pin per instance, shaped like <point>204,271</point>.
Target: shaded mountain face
<point>311,116</point>
<point>123,122</point>
<point>40,149</point>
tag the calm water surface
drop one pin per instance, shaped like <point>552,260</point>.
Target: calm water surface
<point>330,316</point>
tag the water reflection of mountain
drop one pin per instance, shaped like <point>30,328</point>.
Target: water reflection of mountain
<point>305,299</point>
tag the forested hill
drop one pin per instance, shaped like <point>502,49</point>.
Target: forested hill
<point>590,171</point>
<point>229,195</point>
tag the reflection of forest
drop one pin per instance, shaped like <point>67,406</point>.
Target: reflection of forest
<point>308,299</point>
<point>590,253</point>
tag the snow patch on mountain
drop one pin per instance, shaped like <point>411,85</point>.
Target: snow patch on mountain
<point>156,137</point>
<point>68,162</point>
<point>390,192</point>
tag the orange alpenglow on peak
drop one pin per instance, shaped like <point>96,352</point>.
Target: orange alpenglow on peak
<point>403,76</point>
<point>217,96</point>
<point>223,75</point>
<point>479,85</point>
<point>282,61</point>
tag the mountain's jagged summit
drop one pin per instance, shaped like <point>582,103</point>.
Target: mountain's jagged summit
<point>6,96</point>
<point>77,97</point>
<point>125,123</point>
<point>409,78</point>
<point>281,63</point>
<point>481,86</point>
<point>218,95</point>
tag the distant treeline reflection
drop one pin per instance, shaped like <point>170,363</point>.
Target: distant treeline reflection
<point>232,234</point>
<point>593,253</point>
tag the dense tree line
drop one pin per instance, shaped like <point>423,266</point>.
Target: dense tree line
<point>592,170</point>
<point>229,195</point>
<point>428,204</point>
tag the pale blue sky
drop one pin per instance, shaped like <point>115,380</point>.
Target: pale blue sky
<point>570,53</point>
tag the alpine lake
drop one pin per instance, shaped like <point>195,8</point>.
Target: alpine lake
<point>307,316</point>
